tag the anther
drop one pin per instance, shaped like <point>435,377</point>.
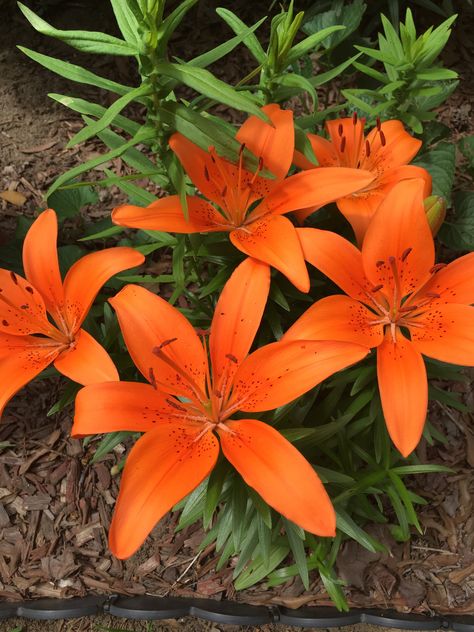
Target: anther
<point>165,343</point>
<point>405,254</point>
<point>379,124</point>
<point>231,357</point>
<point>206,174</point>
<point>260,163</point>
<point>437,267</point>
<point>433,295</point>
<point>224,191</point>
<point>340,129</point>
<point>28,289</point>
<point>13,277</point>
<point>377,288</point>
<point>379,263</point>
<point>391,260</point>
<point>382,138</point>
<point>151,377</point>
<point>354,118</point>
<point>343,144</point>
<point>173,404</point>
<point>367,149</point>
<point>241,150</point>
<point>409,308</point>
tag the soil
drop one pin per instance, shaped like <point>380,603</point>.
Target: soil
<point>55,506</point>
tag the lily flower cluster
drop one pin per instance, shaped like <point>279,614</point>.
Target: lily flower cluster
<point>200,395</point>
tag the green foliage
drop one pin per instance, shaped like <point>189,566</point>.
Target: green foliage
<point>457,232</point>
<point>412,84</point>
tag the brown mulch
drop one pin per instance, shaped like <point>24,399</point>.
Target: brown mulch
<point>55,506</point>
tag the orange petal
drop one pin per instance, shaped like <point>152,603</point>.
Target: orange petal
<point>274,241</point>
<point>236,319</point>
<point>314,187</point>
<point>303,213</point>
<point>88,275</point>
<point>455,282</point>
<point>167,214</point>
<point>399,147</point>
<point>337,258</point>
<point>403,390</point>
<point>405,172</point>
<point>347,138</point>
<point>22,309</point>
<point>22,358</point>
<point>279,473</point>
<point>274,144</point>
<point>87,362</point>
<point>447,334</point>
<point>360,209</point>
<point>399,230</point>
<point>164,466</point>
<point>40,260</point>
<point>282,371</point>
<point>200,167</point>
<point>148,322</point>
<point>114,406</point>
<point>324,151</point>
<point>337,318</point>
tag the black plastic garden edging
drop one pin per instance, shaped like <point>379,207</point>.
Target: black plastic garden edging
<point>149,608</point>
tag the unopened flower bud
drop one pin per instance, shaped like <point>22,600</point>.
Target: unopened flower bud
<point>435,209</point>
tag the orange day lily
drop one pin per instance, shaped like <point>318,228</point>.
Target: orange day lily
<point>29,341</point>
<point>394,287</point>
<point>189,399</point>
<point>249,206</point>
<point>385,152</point>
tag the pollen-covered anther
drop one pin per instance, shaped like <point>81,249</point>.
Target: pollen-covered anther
<point>376,288</point>
<point>231,357</point>
<point>151,377</point>
<point>340,129</point>
<point>206,174</point>
<point>165,343</point>
<point>437,267</point>
<point>354,118</point>
<point>343,144</point>
<point>378,123</point>
<point>175,405</point>
<point>13,278</point>
<point>382,138</point>
<point>433,295</point>
<point>367,149</point>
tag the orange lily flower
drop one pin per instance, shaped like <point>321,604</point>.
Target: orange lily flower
<point>250,207</point>
<point>29,342</point>
<point>189,399</point>
<point>385,152</point>
<point>393,286</point>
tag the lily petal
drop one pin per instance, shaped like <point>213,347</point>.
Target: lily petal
<point>166,214</point>
<point>337,318</point>
<point>86,362</point>
<point>399,147</point>
<point>279,473</point>
<point>399,230</point>
<point>22,309</point>
<point>236,320</point>
<point>162,468</point>
<point>315,187</point>
<point>150,324</point>
<point>360,209</point>
<point>40,260</point>
<point>88,275</point>
<point>455,282</point>
<point>403,390</point>
<point>282,371</point>
<point>347,137</point>
<point>275,144</point>
<point>22,358</point>
<point>274,241</point>
<point>406,172</point>
<point>447,334</point>
<point>114,406</point>
<point>337,258</point>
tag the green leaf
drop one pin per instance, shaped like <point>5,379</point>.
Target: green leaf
<point>85,41</point>
<point>142,134</point>
<point>295,539</point>
<point>258,569</point>
<point>403,470</point>
<point>292,84</point>
<point>436,74</point>
<point>439,161</point>
<point>136,195</point>
<point>126,20</point>
<point>109,115</point>
<point>457,232</point>
<point>108,443</point>
<point>213,492</point>
<point>171,23</point>
<point>69,203</point>
<point>323,77</point>
<point>240,27</point>
<point>205,83</point>
<point>466,147</point>
<point>347,525</point>
<point>310,43</point>
<point>75,73</point>
<point>347,15</point>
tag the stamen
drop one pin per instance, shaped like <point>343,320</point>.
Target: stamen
<point>382,138</point>
<point>206,174</point>
<point>379,124</point>
<point>408,308</point>
<point>173,404</point>
<point>224,191</point>
<point>396,282</point>
<point>379,263</point>
<point>340,129</point>
<point>13,277</point>
<point>377,288</point>
<point>437,267</point>
<point>232,358</point>
<point>367,149</point>
<point>433,295</point>
<point>405,254</point>
<point>165,343</point>
<point>241,150</point>
<point>343,144</point>
<point>354,118</point>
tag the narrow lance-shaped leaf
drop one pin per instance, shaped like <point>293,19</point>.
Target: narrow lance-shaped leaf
<point>238,27</point>
<point>86,41</point>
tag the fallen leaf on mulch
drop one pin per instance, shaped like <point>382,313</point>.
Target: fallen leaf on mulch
<point>18,199</point>
<point>37,149</point>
